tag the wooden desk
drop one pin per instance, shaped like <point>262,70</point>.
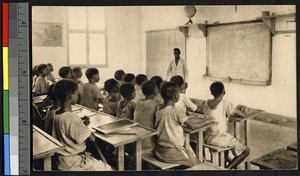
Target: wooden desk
<point>237,123</point>
<point>39,99</point>
<point>119,141</point>
<point>293,147</point>
<point>199,136</point>
<point>44,146</point>
<point>278,159</point>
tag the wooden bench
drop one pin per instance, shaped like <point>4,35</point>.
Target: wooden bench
<point>206,166</point>
<point>278,159</point>
<point>293,147</point>
<point>217,154</point>
<point>158,164</point>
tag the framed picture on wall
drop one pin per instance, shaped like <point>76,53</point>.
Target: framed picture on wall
<point>47,34</point>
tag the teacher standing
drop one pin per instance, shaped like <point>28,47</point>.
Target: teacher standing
<point>177,66</point>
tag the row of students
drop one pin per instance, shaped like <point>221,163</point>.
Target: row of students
<point>145,113</point>
<point>166,116</point>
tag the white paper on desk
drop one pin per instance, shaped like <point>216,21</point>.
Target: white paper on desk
<point>85,112</point>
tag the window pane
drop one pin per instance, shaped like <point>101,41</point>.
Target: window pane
<point>77,48</point>
<point>97,49</point>
<point>77,17</point>
<point>96,18</point>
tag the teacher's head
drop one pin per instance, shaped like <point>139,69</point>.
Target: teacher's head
<point>176,53</point>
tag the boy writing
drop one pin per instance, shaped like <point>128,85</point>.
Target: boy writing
<point>71,131</point>
<point>171,146</point>
<point>91,95</point>
<point>217,135</point>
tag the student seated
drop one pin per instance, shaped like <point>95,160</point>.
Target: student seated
<point>119,76</point>
<point>184,101</point>
<point>35,74</point>
<point>158,81</point>
<point>41,86</point>
<point>145,111</point>
<point>71,131</point>
<point>77,74</point>
<point>217,135</point>
<point>129,78</point>
<point>171,146</point>
<point>110,102</point>
<point>126,106</point>
<point>91,95</point>
<point>50,78</point>
<point>65,72</point>
<point>139,79</point>
<point>51,110</point>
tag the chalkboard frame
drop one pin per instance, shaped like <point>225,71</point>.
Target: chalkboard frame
<point>234,80</point>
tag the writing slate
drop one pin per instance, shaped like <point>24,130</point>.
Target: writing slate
<point>239,52</point>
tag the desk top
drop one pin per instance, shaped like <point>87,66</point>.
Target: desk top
<point>116,140</point>
<point>249,114</point>
<point>39,99</point>
<point>206,123</point>
<point>43,144</point>
<point>278,159</point>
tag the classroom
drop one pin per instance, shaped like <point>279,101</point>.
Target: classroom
<point>133,76</point>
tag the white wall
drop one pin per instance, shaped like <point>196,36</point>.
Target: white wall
<point>124,36</point>
<point>126,27</point>
<point>279,98</point>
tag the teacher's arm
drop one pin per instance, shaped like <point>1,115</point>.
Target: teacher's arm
<point>168,71</point>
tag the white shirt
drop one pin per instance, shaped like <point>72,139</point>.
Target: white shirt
<point>169,126</point>
<point>185,102</point>
<point>220,114</point>
<point>180,69</point>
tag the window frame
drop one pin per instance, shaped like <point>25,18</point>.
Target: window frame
<point>87,32</point>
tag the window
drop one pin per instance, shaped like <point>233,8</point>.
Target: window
<point>86,32</point>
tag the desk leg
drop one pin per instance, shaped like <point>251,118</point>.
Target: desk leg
<point>138,155</point>
<point>187,140</point>
<point>121,158</point>
<point>47,164</point>
<point>237,134</point>
<point>247,142</point>
<point>199,148</point>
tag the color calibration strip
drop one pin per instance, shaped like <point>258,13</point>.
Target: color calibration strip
<point>5,44</point>
<point>13,88</point>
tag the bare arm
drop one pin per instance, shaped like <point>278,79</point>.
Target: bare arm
<point>168,71</point>
<point>239,113</point>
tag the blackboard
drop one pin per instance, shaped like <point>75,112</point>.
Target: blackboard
<point>239,52</point>
<point>159,50</point>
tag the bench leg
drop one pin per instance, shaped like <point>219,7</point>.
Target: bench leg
<point>222,159</point>
<point>199,148</point>
<point>121,158</point>
<point>138,155</point>
<point>47,164</point>
<point>237,134</point>
<point>215,158</point>
<point>247,142</point>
